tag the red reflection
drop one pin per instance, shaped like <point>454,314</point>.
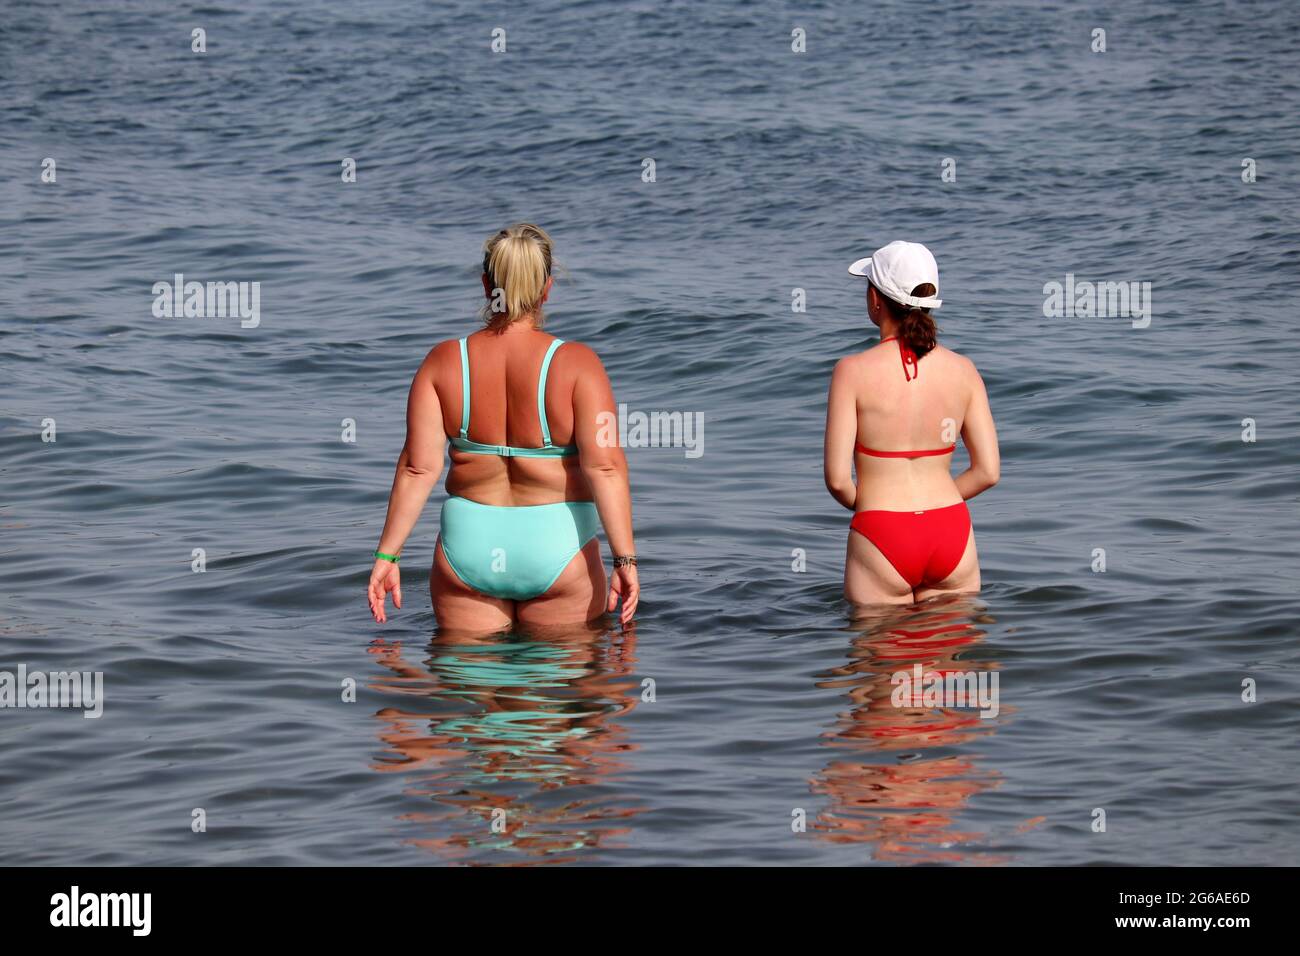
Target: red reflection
<point>903,805</point>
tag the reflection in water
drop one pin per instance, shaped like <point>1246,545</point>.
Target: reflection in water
<point>521,724</point>
<point>894,788</point>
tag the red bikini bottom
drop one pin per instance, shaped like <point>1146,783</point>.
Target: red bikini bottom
<point>923,546</point>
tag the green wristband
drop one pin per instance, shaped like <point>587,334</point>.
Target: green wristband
<point>387,557</point>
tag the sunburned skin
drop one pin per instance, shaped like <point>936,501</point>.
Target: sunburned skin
<point>492,475</point>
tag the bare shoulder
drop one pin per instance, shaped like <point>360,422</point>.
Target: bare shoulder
<point>578,357</point>
<point>444,353</point>
<point>441,359</point>
<point>964,371</point>
<point>856,367</point>
<point>446,349</point>
<point>957,360</point>
<point>852,364</point>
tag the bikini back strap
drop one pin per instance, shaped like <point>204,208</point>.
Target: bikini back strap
<point>923,453</point>
<point>541,393</point>
<point>907,355</point>
<point>464,389</point>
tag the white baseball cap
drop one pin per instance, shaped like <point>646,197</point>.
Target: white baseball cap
<point>898,268</point>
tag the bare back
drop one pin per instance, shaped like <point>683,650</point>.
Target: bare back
<point>894,413</point>
<point>504,371</point>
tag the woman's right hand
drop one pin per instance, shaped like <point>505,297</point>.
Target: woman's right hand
<point>624,585</point>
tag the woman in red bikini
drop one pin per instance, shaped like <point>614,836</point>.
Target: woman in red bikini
<point>894,413</point>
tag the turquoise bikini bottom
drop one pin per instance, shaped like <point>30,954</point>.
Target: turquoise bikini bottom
<point>514,553</point>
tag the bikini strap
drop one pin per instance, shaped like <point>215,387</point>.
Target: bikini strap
<point>541,393</point>
<point>905,355</point>
<point>464,389</point>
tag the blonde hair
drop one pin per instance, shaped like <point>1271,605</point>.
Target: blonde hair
<point>517,261</point>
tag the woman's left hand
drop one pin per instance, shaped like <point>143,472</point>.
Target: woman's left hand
<point>384,577</point>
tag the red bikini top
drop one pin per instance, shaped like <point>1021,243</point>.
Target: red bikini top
<point>908,357</point>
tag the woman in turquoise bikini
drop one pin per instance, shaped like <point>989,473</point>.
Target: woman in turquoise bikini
<point>518,539</point>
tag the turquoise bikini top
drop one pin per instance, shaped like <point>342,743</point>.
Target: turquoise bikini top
<point>547,450</point>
